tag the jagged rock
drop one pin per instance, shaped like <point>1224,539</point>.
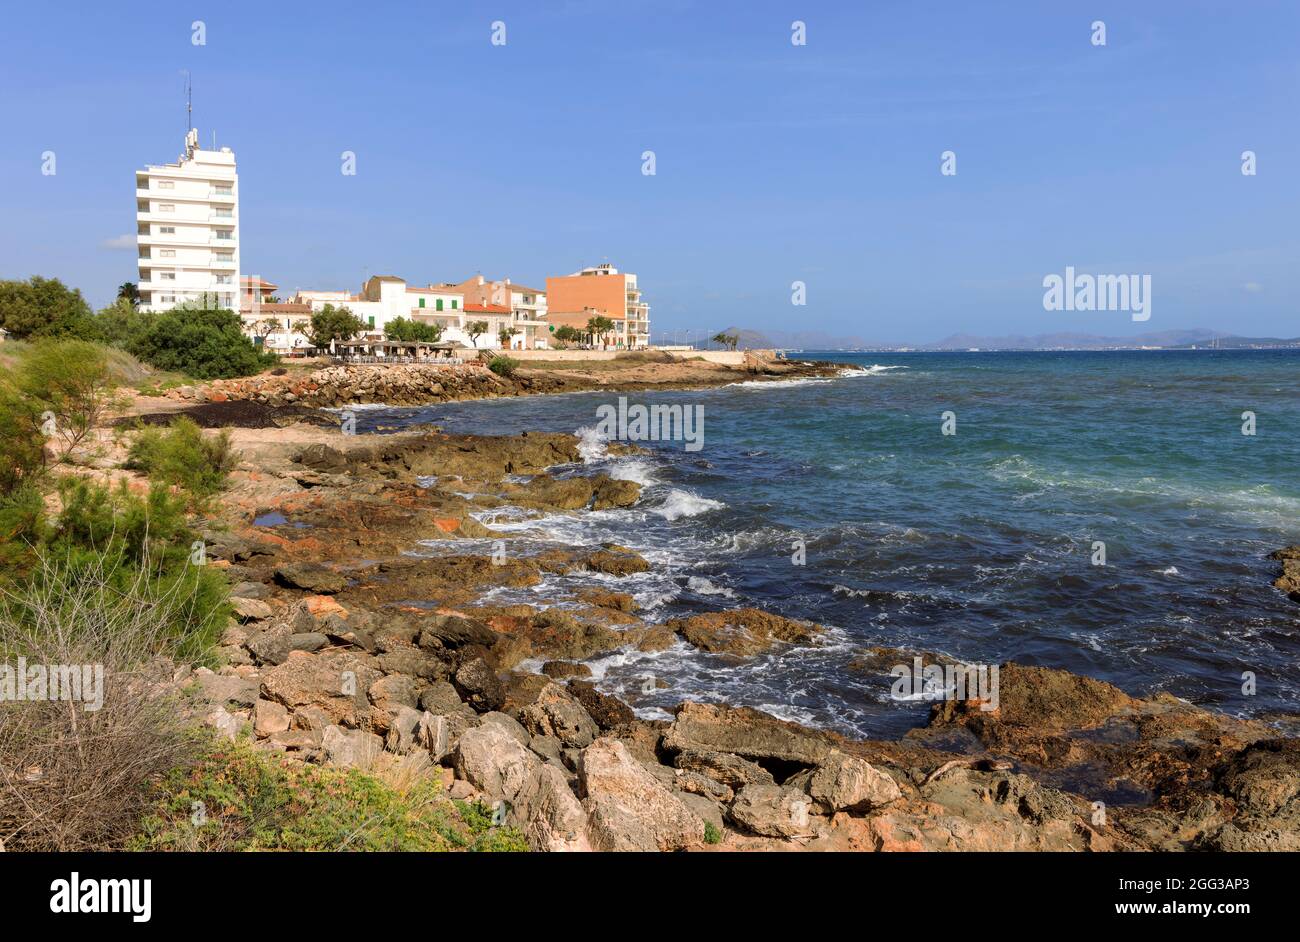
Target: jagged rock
<point>706,727</point>
<point>742,631</point>
<point>479,686</point>
<point>452,631</point>
<point>772,811</point>
<point>441,697</point>
<point>404,730</point>
<point>616,560</point>
<point>724,768</point>
<point>549,748</point>
<point>270,717</point>
<point>555,633</point>
<point>628,809</point>
<point>1041,698</point>
<point>250,590</point>
<point>608,712</point>
<point>414,663</point>
<point>334,683</point>
<point>557,713</point>
<point>389,695</point>
<point>509,724</point>
<point>271,646</point>
<point>316,579</point>
<point>697,784</point>
<point>350,747</point>
<point>1289,580</point>
<point>250,609</point>
<point>847,783</point>
<point>538,799</point>
<point>611,492</point>
<point>602,598</point>
<point>307,641</point>
<point>295,740</point>
<point>225,723</point>
<point>562,669</point>
<point>223,689</point>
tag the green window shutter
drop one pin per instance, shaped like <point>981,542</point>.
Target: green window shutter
<point>421,302</point>
<point>372,320</point>
<point>438,304</point>
<point>454,302</point>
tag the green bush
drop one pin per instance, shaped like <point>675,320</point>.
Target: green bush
<point>69,383</point>
<point>94,768</point>
<point>203,343</point>
<point>711,833</point>
<point>503,365</point>
<point>122,324</point>
<point>44,307</point>
<point>133,546</point>
<point>182,456</point>
<point>258,801</point>
<point>22,446</point>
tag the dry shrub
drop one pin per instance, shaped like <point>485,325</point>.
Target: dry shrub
<point>73,779</point>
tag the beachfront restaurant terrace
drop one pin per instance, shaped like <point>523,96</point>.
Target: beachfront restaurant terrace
<point>444,352</point>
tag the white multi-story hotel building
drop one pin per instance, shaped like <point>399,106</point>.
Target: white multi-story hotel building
<point>187,223</point>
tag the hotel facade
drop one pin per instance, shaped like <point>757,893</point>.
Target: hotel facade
<point>601,291</point>
<point>187,229</point>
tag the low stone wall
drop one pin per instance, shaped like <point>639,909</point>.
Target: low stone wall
<point>724,357</point>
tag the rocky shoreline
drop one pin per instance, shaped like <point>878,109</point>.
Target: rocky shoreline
<point>422,384</point>
<point>351,651</point>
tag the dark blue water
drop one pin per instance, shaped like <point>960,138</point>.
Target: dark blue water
<point>978,545</point>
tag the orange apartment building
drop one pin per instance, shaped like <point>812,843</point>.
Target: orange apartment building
<point>602,290</point>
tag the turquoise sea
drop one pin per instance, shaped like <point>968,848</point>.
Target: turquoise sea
<point>978,545</point>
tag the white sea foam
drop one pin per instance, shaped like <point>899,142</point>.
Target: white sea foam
<point>679,503</point>
<point>703,586</point>
<point>592,446</point>
<point>634,469</point>
<point>875,369</point>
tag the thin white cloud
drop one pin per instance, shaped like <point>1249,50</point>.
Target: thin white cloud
<point>119,243</point>
<point>1253,287</point>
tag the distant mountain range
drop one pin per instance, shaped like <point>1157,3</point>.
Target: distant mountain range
<point>1165,339</point>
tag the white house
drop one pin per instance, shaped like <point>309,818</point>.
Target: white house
<point>385,297</point>
<point>187,229</point>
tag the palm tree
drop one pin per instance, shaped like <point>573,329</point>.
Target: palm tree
<point>129,292</point>
<point>727,340</point>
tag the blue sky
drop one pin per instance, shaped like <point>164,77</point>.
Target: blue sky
<point>774,163</point>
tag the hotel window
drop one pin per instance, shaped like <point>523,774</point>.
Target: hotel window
<point>166,230</point>
<point>166,207</point>
<point>225,233</point>
<point>223,214</point>
<point>167,275</point>
<point>167,253</point>
<point>166,184</point>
